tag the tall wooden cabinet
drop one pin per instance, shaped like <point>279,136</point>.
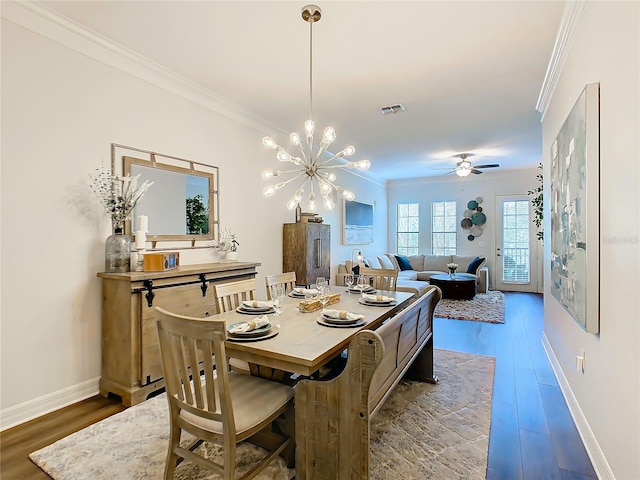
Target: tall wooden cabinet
<point>131,365</point>
<point>306,251</point>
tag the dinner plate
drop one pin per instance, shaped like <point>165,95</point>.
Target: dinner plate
<point>247,311</point>
<point>256,332</point>
<point>324,322</point>
<point>377,304</point>
<point>296,295</point>
<point>271,333</point>
<point>338,321</point>
<point>254,309</point>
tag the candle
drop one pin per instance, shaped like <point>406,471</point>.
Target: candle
<point>141,240</point>
<point>143,224</point>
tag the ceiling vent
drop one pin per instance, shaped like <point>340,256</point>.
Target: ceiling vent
<point>398,108</point>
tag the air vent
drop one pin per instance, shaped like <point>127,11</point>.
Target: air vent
<point>398,108</point>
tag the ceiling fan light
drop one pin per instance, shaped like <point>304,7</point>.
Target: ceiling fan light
<point>463,172</point>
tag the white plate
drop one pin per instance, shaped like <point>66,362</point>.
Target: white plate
<point>256,332</point>
<point>377,304</point>
<point>254,309</point>
<point>271,333</point>
<point>323,322</point>
<point>338,321</point>
<point>247,311</point>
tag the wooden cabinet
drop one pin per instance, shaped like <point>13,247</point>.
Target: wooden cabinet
<point>131,366</point>
<point>306,251</point>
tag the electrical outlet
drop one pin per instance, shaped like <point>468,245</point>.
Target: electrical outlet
<point>580,361</point>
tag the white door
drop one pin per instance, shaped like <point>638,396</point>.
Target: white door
<point>516,249</point>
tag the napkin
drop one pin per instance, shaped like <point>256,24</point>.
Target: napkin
<point>377,298</point>
<point>257,304</point>
<point>305,291</point>
<point>250,325</point>
<point>342,314</point>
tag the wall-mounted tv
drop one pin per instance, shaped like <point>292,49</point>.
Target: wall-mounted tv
<point>358,223</point>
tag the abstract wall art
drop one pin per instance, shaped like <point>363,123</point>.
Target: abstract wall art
<point>575,212</point>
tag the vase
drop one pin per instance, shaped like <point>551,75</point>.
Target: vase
<point>452,274</point>
<point>117,252</point>
<point>231,256</point>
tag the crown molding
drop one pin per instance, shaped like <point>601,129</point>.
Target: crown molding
<point>566,32</point>
<point>38,18</point>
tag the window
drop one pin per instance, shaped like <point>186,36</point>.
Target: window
<point>444,226</point>
<point>408,228</point>
<point>515,241</point>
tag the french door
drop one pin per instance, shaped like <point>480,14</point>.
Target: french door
<point>516,262</point>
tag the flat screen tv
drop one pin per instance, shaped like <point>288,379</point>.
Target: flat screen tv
<point>358,223</point>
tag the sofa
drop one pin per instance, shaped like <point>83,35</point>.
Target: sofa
<point>414,271</point>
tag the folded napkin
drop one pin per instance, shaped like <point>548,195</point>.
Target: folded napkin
<point>250,325</point>
<point>377,298</point>
<point>342,314</point>
<point>257,304</point>
<point>305,291</point>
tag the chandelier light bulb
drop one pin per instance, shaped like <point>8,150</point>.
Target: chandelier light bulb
<point>325,187</point>
<point>330,176</point>
<point>295,138</point>
<point>348,151</point>
<point>269,143</point>
<point>363,164</point>
<point>271,189</point>
<point>308,128</point>
<point>312,202</point>
<point>348,195</point>
<point>270,173</point>
<point>329,135</point>
<point>283,156</point>
<point>328,203</point>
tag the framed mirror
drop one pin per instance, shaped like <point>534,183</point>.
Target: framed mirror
<point>181,205</point>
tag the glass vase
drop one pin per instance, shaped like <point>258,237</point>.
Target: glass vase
<point>117,252</point>
<point>452,274</point>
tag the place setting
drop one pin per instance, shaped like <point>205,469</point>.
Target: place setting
<point>303,292</point>
<point>256,307</point>
<point>377,300</point>
<point>361,286</point>
<point>340,318</point>
<point>259,328</point>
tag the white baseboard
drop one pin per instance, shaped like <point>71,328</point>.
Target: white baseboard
<point>12,416</point>
<point>598,460</point>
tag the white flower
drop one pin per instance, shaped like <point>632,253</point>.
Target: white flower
<point>452,266</point>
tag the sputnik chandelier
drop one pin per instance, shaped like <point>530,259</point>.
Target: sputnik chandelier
<point>311,165</point>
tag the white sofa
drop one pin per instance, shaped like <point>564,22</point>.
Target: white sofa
<point>416,279</point>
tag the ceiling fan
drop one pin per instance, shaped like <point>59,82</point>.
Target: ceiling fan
<point>464,168</point>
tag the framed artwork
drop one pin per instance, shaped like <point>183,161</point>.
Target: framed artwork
<point>358,223</point>
<point>575,211</point>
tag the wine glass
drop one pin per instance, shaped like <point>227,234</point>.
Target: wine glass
<point>320,282</point>
<point>324,294</point>
<point>348,281</point>
<point>362,284</point>
<point>279,299</point>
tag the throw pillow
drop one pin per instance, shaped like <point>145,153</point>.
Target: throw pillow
<point>475,264</point>
<point>385,262</point>
<point>403,263</point>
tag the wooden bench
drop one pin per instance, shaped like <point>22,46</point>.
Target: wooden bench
<point>333,440</point>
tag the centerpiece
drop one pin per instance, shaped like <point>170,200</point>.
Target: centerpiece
<point>452,269</point>
<point>119,195</point>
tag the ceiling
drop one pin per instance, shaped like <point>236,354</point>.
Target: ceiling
<point>468,72</point>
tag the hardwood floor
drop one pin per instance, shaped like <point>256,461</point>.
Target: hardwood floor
<point>532,433</point>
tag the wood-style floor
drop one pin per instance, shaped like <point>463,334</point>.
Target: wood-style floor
<point>532,433</point>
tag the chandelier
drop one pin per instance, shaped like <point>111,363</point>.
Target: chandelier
<point>313,164</point>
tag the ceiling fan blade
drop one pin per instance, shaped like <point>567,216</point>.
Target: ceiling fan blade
<point>477,172</point>
<point>448,173</point>
<point>491,165</point>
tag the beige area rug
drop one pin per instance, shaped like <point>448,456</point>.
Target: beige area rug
<point>422,431</point>
<point>484,307</point>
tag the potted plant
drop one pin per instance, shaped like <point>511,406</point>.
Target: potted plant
<point>229,245</point>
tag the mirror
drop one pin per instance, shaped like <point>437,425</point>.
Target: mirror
<point>180,203</point>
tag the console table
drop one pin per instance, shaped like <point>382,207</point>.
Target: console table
<point>131,365</point>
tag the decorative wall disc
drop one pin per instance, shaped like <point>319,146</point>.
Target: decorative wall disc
<point>466,223</point>
<point>479,199</point>
<point>472,205</point>
<point>474,219</point>
<point>479,218</point>
<point>476,231</point>
<point>467,214</point>
<point>479,209</point>
<point>470,238</point>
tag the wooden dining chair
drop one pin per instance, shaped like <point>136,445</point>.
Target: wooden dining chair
<point>381,278</point>
<point>212,403</point>
<point>229,296</point>
<point>287,279</point>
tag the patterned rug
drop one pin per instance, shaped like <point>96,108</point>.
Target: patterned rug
<point>422,431</point>
<point>484,307</point>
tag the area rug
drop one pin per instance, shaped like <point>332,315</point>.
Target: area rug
<point>484,307</point>
<point>422,431</point>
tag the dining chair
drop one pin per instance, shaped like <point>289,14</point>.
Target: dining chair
<point>287,279</point>
<point>212,403</point>
<point>381,278</point>
<point>229,296</point>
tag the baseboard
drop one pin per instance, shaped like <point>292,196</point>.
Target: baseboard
<point>598,460</point>
<point>12,416</point>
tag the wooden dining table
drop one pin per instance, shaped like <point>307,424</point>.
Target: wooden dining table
<point>302,345</point>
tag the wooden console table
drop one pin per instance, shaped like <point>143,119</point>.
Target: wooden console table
<point>131,366</point>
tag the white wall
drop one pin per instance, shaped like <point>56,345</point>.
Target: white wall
<point>606,396</point>
<point>61,110</point>
<point>451,187</point>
